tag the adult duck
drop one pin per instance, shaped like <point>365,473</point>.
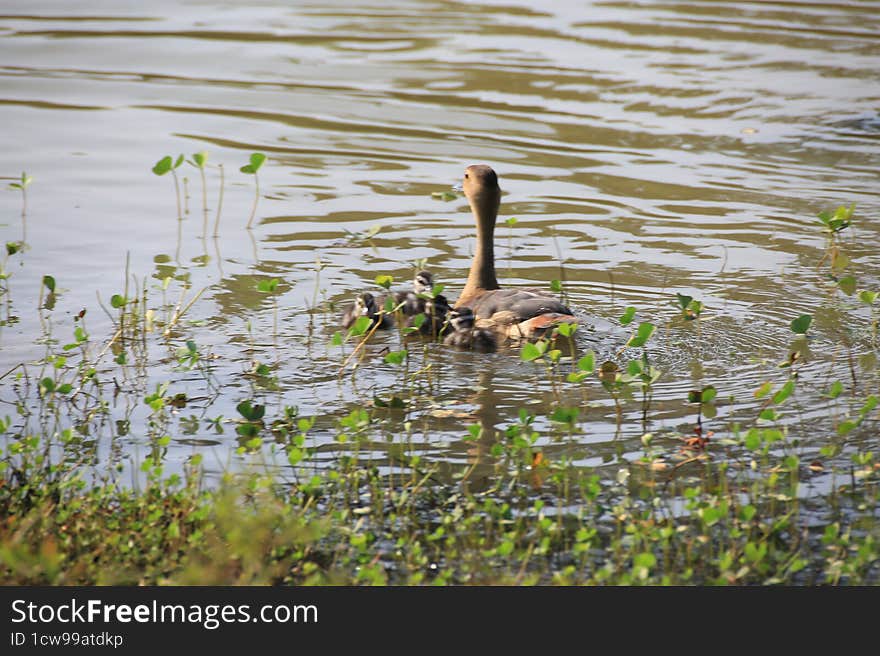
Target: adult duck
<point>509,313</point>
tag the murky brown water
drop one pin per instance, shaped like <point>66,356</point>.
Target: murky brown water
<point>646,148</point>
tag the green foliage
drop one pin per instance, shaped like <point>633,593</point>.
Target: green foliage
<point>396,357</point>
<point>167,164</point>
<point>23,182</point>
<point>838,220</point>
<point>642,335</point>
<point>628,315</point>
<point>256,161</point>
<point>199,159</point>
<point>533,350</point>
<point>268,286</point>
<point>800,325</point>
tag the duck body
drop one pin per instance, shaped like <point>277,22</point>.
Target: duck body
<point>366,305</point>
<point>421,301</point>
<point>464,333</point>
<point>408,304</point>
<point>508,313</point>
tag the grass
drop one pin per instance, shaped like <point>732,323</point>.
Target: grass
<point>731,520</point>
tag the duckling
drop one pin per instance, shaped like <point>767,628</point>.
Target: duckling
<point>365,305</point>
<point>508,313</point>
<point>465,334</point>
<point>420,301</point>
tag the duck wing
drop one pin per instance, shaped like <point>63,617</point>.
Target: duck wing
<point>522,304</point>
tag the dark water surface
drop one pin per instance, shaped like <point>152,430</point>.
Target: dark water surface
<point>646,148</point>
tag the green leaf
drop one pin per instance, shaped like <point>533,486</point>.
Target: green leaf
<point>117,301</point>
<point>200,158</point>
<point>683,300</point>
<point>565,415</point>
<point>709,393</point>
<point>566,329</point>
<point>360,326</point>
<point>163,165</point>
<point>867,297</point>
<point>256,160</point>
<point>49,282</point>
<point>180,159</point>
<point>646,560</point>
<point>628,315</point>
<point>47,385</point>
<point>396,357</point>
<point>763,390</point>
<point>801,324</point>
<point>643,334</point>
<point>784,392</point>
<point>532,351</point>
<point>511,222</point>
<point>835,390</point>
<point>251,412</point>
<point>753,440</point>
<point>384,280</point>
<point>693,310</point>
<point>847,285</point>
<point>588,362</point>
<point>555,286</point>
<point>845,427</point>
<point>268,286</point>
<point>444,195</point>
<point>747,512</point>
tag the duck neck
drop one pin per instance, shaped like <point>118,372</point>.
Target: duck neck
<point>482,274</point>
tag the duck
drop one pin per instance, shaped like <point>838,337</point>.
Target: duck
<point>511,314</point>
<point>421,300</point>
<point>464,333</point>
<point>365,305</point>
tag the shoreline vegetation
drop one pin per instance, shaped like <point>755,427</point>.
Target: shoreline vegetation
<point>730,502</point>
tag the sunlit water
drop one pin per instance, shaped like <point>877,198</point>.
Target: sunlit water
<point>646,148</point>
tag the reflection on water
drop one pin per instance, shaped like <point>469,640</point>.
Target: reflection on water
<point>645,149</point>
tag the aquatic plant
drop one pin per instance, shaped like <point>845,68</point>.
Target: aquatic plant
<point>200,160</point>
<point>256,161</point>
<point>23,182</point>
<point>165,165</point>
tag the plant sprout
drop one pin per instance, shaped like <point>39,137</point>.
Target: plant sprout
<point>199,160</point>
<point>257,160</point>
<point>22,184</point>
<point>165,165</point>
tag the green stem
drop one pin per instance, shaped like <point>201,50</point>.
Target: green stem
<point>256,200</point>
<point>219,204</point>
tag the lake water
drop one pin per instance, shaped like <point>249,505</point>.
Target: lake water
<point>645,149</point>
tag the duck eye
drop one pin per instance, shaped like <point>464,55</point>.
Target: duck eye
<point>465,176</point>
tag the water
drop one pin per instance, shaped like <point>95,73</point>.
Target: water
<point>646,148</point>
